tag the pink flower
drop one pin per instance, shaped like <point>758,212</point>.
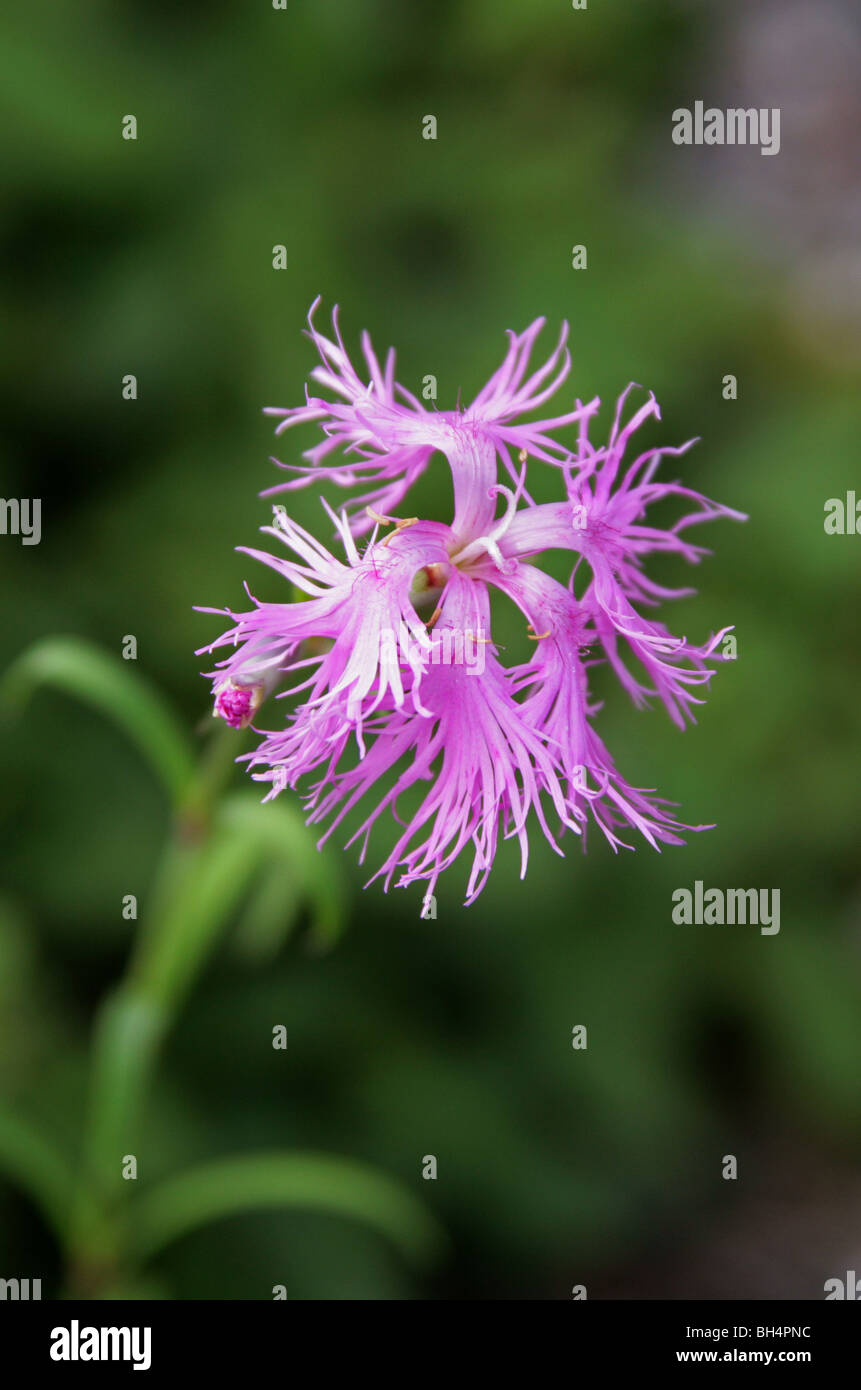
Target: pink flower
<point>395,703</point>
<point>386,436</point>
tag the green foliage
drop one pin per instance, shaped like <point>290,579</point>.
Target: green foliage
<point>220,846</point>
<point>314,1182</point>
<point>115,689</point>
<point>30,1162</point>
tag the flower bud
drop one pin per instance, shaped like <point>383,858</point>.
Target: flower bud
<point>237,704</point>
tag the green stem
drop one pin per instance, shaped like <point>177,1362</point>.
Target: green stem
<point>194,814</point>
<point>134,1018</point>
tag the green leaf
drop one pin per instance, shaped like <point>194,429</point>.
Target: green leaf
<point>307,1181</point>
<point>114,688</point>
<point>128,1032</point>
<point>279,828</point>
<point>34,1166</point>
<point>269,915</point>
<point>207,883</point>
<point>201,885</point>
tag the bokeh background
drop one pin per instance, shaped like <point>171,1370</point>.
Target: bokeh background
<point>449,1037</point>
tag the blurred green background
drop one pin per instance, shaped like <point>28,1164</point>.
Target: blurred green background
<point>449,1037</point>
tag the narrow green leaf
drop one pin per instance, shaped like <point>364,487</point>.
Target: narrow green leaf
<point>269,915</point>
<point>308,1181</point>
<point>201,886</point>
<point>117,690</point>
<point>213,880</point>
<point>278,826</point>
<point>34,1166</point>
<point>129,1030</point>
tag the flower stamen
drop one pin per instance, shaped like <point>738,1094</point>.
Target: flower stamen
<point>399,523</point>
<point>399,527</point>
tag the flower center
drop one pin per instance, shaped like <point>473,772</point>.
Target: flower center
<point>426,586</point>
